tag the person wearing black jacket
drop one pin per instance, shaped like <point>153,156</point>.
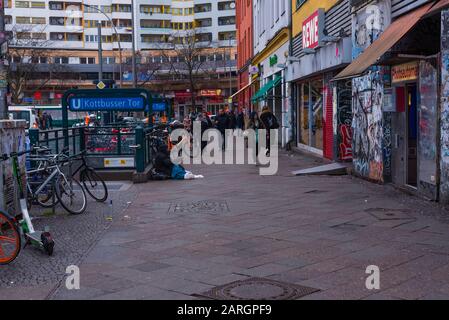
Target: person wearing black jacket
<point>232,120</point>
<point>268,121</point>
<point>222,123</point>
<point>162,163</point>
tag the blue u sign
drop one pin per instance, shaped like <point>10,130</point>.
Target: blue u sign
<point>107,104</point>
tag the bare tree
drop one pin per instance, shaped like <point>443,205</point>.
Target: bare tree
<point>29,64</point>
<point>186,58</point>
<point>147,69</point>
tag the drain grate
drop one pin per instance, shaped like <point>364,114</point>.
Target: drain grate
<point>389,214</point>
<point>207,206</point>
<point>258,289</point>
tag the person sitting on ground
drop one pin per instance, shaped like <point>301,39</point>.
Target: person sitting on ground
<point>166,168</point>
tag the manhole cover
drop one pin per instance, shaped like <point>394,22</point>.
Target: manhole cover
<point>210,207</point>
<point>258,289</point>
<point>389,214</point>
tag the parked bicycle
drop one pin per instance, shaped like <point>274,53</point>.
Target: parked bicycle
<point>92,182</point>
<point>12,228</point>
<point>69,191</point>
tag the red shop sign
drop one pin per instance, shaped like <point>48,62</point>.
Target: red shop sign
<point>312,30</point>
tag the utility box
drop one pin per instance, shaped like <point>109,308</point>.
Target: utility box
<point>13,138</point>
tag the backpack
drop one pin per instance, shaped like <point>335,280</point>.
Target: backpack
<point>273,122</point>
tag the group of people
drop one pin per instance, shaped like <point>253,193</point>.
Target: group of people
<point>45,121</point>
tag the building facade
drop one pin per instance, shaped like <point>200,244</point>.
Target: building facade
<point>399,94</point>
<point>321,44</point>
<point>271,43</point>
<point>244,14</point>
<point>66,33</point>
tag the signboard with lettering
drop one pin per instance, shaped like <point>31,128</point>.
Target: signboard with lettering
<point>312,30</point>
<point>107,104</point>
<point>159,106</point>
<point>404,72</point>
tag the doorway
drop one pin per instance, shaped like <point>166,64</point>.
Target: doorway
<point>412,135</point>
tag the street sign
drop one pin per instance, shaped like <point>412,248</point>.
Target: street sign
<point>101,85</point>
<point>107,104</point>
<point>160,106</point>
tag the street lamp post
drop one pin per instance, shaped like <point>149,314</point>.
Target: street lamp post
<point>134,68</point>
<point>118,38</point>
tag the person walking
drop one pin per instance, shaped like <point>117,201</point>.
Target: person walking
<point>222,123</point>
<point>232,120</point>
<point>240,122</point>
<point>268,121</point>
<point>254,124</point>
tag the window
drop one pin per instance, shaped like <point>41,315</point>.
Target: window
<point>22,4</point>
<point>39,36</point>
<point>23,20</point>
<point>87,60</point>
<point>201,23</point>
<point>108,60</point>
<point>56,21</point>
<point>228,35</point>
<point>203,37</point>
<point>38,20</point>
<point>61,60</point>
<point>222,21</point>
<point>38,4</point>
<point>228,5</point>
<point>91,38</point>
<point>206,7</point>
<point>56,5</point>
<point>158,24</point>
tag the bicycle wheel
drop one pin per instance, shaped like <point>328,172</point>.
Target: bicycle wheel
<point>45,196</point>
<point>94,185</point>
<point>71,195</point>
<point>10,240</point>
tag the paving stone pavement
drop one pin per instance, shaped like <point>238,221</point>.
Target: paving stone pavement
<point>183,238</point>
<point>33,275</point>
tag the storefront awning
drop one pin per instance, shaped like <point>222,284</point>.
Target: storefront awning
<point>260,95</point>
<point>241,90</point>
<point>385,42</point>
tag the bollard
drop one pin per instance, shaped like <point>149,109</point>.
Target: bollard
<point>82,139</point>
<point>34,136</point>
<point>140,151</point>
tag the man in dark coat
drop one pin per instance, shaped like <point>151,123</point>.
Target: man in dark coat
<point>222,123</point>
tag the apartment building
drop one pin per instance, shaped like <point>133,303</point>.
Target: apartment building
<point>73,24</point>
<point>69,29</point>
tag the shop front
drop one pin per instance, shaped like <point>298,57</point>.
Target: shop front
<point>319,104</point>
<point>321,48</point>
<point>208,100</point>
<point>396,111</point>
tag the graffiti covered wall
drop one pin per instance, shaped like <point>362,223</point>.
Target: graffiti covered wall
<point>367,126</point>
<point>368,23</point>
<point>368,153</point>
<point>444,179</point>
<point>344,120</point>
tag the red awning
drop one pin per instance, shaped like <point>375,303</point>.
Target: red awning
<point>394,32</point>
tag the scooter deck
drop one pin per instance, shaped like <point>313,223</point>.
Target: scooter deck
<point>35,236</point>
